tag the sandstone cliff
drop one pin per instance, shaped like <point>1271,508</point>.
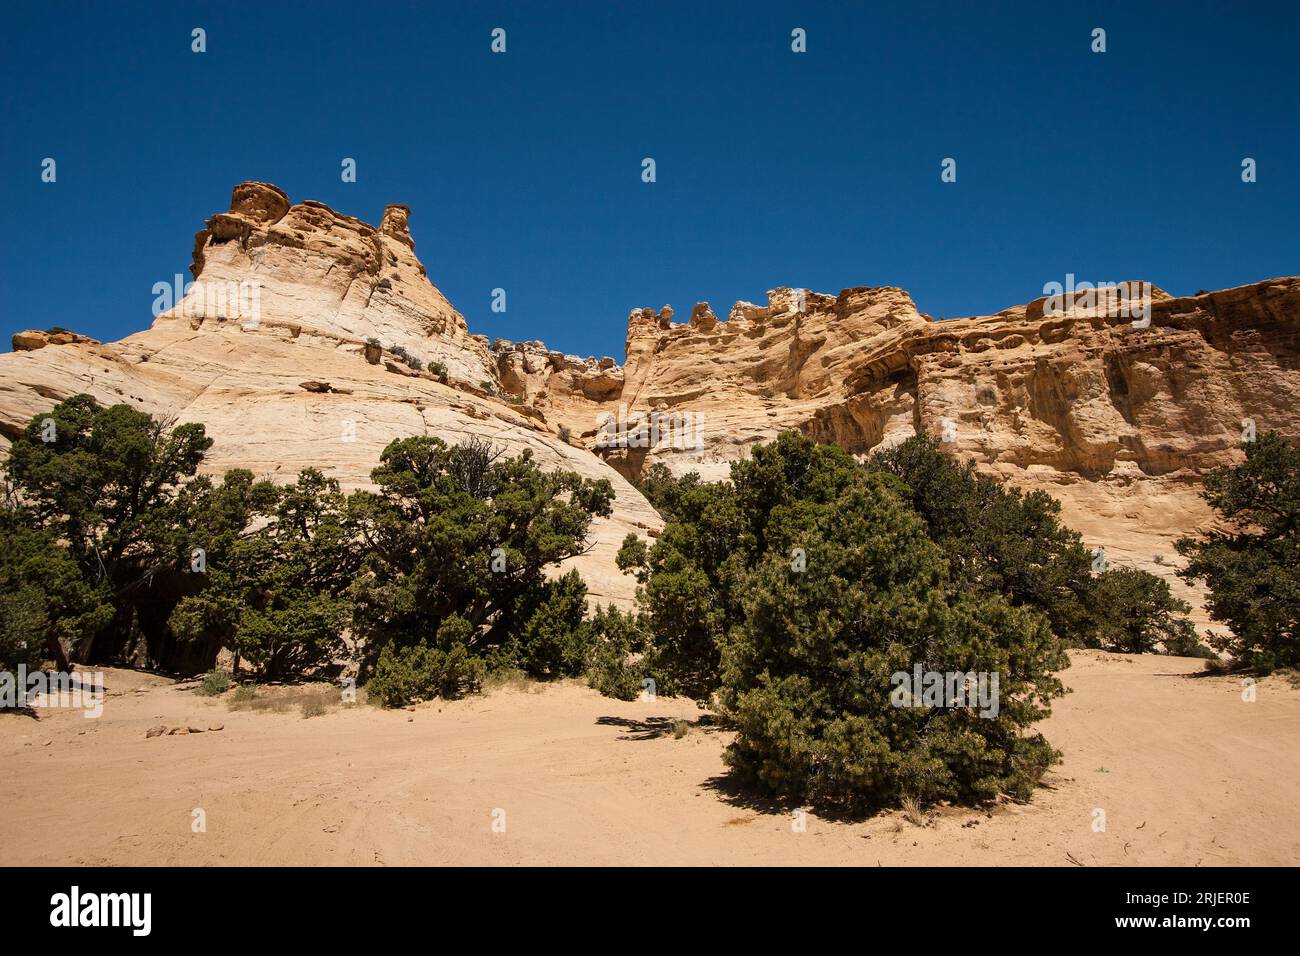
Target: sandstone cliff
<point>287,380</point>
<point>284,349</point>
<point>311,269</point>
<point>1117,415</point>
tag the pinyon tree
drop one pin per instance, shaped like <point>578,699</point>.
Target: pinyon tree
<point>457,542</point>
<point>793,596</point>
<point>1252,568</point>
<point>103,482</point>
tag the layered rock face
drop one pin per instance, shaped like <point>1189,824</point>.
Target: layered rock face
<point>305,266</point>
<point>1085,393</point>
<point>569,390</point>
<point>1116,413</point>
<point>293,383</point>
<point>1117,408</point>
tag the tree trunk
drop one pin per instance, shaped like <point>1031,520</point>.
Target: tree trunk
<point>54,647</point>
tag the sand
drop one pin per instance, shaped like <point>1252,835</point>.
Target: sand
<point>1185,771</point>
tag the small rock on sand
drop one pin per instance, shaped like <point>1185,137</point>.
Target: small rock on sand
<point>163,729</point>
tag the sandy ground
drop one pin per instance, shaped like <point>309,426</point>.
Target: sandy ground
<point>1185,772</point>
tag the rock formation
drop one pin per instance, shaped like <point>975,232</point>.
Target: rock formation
<point>1118,416</point>
<point>269,350</point>
<point>1116,412</point>
<point>304,267</point>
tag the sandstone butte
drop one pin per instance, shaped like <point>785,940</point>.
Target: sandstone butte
<point>1118,421</point>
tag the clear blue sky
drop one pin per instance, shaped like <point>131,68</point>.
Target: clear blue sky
<point>522,170</point>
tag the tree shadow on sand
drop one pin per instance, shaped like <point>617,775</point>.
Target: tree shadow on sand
<point>733,791</point>
<point>652,728</point>
<point>729,789</point>
<point>50,698</point>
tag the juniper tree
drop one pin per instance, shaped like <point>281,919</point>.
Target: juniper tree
<point>1135,612</point>
<point>997,538</point>
<point>277,595</point>
<point>46,606</point>
<point>458,541</point>
<point>791,595</point>
<point>103,482</point>
<point>1252,569</point>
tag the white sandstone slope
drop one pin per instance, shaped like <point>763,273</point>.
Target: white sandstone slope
<point>293,383</point>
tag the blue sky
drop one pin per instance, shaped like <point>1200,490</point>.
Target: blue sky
<point>523,170</point>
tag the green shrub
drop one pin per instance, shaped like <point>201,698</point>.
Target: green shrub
<point>615,637</point>
<point>1135,612</point>
<point>407,358</point>
<point>555,642</point>
<point>691,586</point>
<point>46,607</point>
<point>664,490</point>
<point>409,674</point>
<point>280,599</point>
<point>1189,645</point>
<point>807,674</point>
<point>22,618</point>
<point>213,684</point>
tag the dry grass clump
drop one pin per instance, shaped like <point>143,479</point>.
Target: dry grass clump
<point>312,700</point>
<point>913,813</point>
<point>511,678</point>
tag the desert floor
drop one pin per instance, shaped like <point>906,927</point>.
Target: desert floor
<point>1185,771</point>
